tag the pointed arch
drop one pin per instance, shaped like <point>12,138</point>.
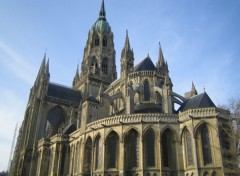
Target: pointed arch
<point>149,147</point>
<point>188,147</point>
<point>131,143</point>
<point>204,144</point>
<point>105,66</point>
<point>96,40</point>
<point>158,98</point>
<point>104,41</point>
<point>112,150</point>
<point>98,152</point>
<point>214,173</point>
<point>168,148</point>
<point>93,65</point>
<point>202,122</point>
<point>146,90</point>
<point>88,156</point>
<point>205,173</point>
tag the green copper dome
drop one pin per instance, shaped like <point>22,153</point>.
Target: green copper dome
<point>101,25</point>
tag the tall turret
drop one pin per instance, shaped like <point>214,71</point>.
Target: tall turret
<point>98,64</point>
<point>127,59</point>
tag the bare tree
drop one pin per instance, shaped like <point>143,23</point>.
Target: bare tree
<point>229,131</point>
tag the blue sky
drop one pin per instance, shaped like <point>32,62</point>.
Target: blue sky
<point>200,40</point>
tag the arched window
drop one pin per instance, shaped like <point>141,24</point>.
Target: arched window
<point>158,98</point>
<point>214,173</point>
<point>149,144</point>
<point>132,149</point>
<point>98,151</point>
<point>188,148</point>
<point>146,91</point>
<point>104,42</point>
<point>168,148</point>
<point>205,173</point>
<point>206,146</point>
<point>55,118</point>
<point>96,41</point>
<point>88,156</point>
<point>105,66</point>
<point>94,65</point>
<point>112,148</point>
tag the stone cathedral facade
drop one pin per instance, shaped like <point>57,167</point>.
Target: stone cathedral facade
<point>118,127</point>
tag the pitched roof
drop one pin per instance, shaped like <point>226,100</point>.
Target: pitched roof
<point>199,101</point>
<point>145,64</point>
<point>64,93</point>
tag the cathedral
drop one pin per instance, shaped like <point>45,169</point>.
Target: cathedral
<point>118,127</point>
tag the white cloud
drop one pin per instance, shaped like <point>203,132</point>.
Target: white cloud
<point>17,65</point>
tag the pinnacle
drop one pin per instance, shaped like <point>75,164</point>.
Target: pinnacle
<point>102,13</point>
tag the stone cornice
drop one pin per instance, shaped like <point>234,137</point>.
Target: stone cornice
<point>133,118</point>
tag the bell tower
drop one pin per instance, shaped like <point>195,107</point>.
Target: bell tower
<point>98,63</point>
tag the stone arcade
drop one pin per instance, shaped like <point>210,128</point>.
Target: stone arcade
<point>115,127</point>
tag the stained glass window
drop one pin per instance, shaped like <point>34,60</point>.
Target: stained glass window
<point>132,149</point>
<point>146,91</point>
<point>167,148</point>
<point>105,66</point>
<point>98,152</point>
<point>206,147</point>
<point>189,149</point>
<point>112,148</point>
<point>88,156</point>
<point>149,147</point>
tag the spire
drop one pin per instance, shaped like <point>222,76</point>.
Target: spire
<point>194,90</point>
<point>76,77</point>
<point>127,43</point>
<point>168,80</point>
<point>102,13</point>
<point>41,69</point>
<point>166,66</point>
<point>47,68</point>
<point>160,56</point>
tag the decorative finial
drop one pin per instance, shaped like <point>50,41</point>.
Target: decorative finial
<point>102,13</point>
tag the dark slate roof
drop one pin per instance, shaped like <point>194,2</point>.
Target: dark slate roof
<point>64,93</point>
<point>69,129</point>
<point>198,101</point>
<point>145,64</point>
<point>92,99</point>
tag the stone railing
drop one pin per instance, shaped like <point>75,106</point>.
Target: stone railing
<point>141,73</point>
<point>133,118</point>
<point>195,113</point>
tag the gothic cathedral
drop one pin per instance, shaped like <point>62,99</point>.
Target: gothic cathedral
<point>118,127</point>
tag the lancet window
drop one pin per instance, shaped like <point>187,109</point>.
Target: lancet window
<point>132,149</point>
<point>206,146</point>
<point>146,91</point>
<point>112,147</point>
<point>149,143</point>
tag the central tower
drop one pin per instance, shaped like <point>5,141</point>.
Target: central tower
<point>98,65</point>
